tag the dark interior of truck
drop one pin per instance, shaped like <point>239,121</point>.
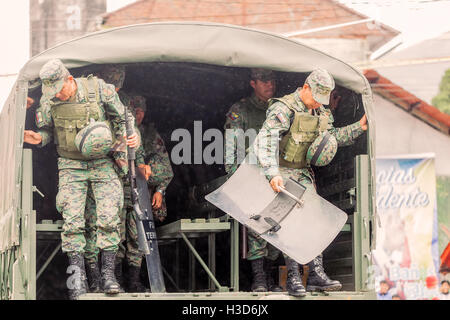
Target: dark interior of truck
<point>177,95</point>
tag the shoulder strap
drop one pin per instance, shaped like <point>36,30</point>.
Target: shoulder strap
<point>93,89</point>
<point>288,100</point>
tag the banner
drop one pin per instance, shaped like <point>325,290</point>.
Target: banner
<point>406,256</point>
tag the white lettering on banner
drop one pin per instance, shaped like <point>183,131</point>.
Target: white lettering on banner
<point>406,274</point>
<point>392,176</point>
<point>389,198</point>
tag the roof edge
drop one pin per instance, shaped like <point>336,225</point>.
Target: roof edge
<point>408,102</point>
<point>132,4</point>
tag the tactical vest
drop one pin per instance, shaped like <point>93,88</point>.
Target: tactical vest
<point>70,117</point>
<point>255,116</point>
<point>304,130</point>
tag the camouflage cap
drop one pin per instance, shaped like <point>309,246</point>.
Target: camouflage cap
<point>262,74</point>
<point>113,74</point>
<point>321,83</point>
<point>52,75</point>
<point>138,101</point>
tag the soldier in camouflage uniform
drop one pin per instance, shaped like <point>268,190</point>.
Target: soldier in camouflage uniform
<point>67,105</point>
<point>294,117</point>
<point>115,75</point>
<point>155,155</point>
<point>250,113</point>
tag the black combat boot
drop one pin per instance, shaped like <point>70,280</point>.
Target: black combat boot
<point>110,284</point>
<point>259,283</point>
<point>93,276</point>
<point>318,280</point>
<point>118,267</point>
<point>134,281</point>
<point>272,286</point>
<point>77,282</point>
<point>294,284</point>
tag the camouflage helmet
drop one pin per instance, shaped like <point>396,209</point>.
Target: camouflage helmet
<point>95,140</point>
<point>322,150</point>
<point>113,74</point>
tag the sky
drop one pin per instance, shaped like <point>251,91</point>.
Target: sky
<point>14,35</point>
<point>416,19</point>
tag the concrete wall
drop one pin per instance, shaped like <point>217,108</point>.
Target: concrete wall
<point>55,21</point>
<point>398,132</point>
<point>348,50</point>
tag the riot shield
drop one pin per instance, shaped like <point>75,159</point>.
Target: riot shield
<point>300,231</point>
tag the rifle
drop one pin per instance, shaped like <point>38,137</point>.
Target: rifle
<point>145,225</point>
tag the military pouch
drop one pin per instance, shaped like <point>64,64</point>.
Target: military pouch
<point>291,148</point>
<point>302,133</point>
<point>323,123</point>
<point>66,131</point>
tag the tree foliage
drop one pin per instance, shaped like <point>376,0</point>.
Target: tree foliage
<point>443,207</point>
<point>442,99</point>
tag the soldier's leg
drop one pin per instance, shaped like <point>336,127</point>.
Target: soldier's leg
<point>318,280</point>
<point>272,255</point>
<point>257,246</point>
<point>90,215</point>
<point>262,254</point>
<point>91,250</point>
<point>294,284</point>
<point>120,256</point>
<point>133,255</point>
<point>108,195</point>
<point>257,251</point>
<point>70,202</point>
<point>122,249</point>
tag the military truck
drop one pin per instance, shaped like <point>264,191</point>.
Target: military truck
<point>190,73</point>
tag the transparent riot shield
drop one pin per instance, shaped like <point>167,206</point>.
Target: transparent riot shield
<point>300,231</point>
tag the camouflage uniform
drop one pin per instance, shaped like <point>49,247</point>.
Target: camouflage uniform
<point>280,117</point>
<point>249,113</point>
<point>113,75</point>
<point>153,153</point>
<point>157,157</point>
<point>128,229</point>
<point>75,176</point>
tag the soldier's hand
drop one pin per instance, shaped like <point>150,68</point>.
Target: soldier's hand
<point>30,102</point>
<point>157,200</point>
<point>363,122</point>
<point>276,183</point>
<point>335,98</point>
<point>145,170</point>
<point>32,137</point>
<point>133,141</point>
